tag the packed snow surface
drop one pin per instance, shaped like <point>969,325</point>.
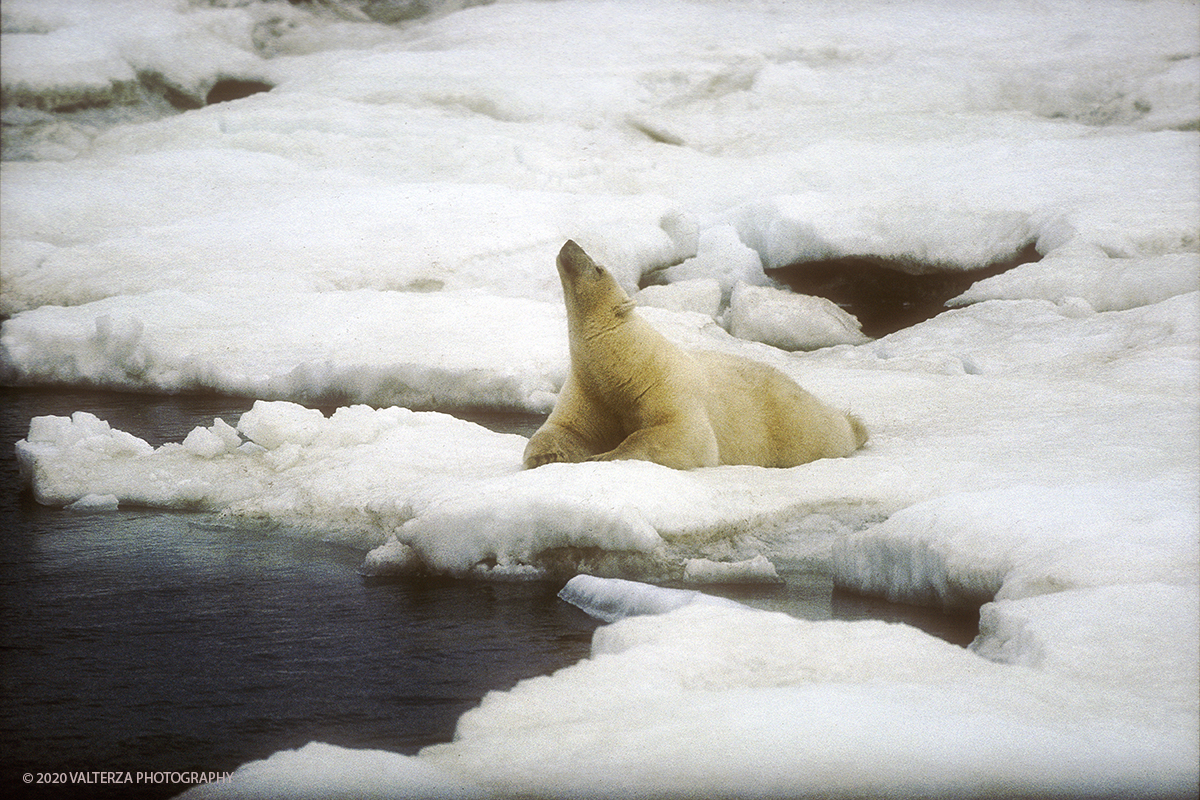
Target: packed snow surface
<point>377,233</point>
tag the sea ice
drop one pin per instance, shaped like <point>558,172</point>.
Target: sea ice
<point>868,708</point>
<point>95,502</point>
<point>1086,273</point>
<point>698,295</point>
<point>611,599</point>
<point>1026,540</point>
<point>319,770</point>
<point>790,321</point>
<point>380,227</point>
<point>721,256</point>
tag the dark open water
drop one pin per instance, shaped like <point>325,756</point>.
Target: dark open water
<point>148,641</point>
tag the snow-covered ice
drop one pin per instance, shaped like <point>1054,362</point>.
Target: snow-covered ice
<point>328,348</point>
<point>700,295</point>
<point>611,599</point>
<point>790,321</point>
<point>713,700</point>
<point>319,770</point>
<point>378,231</point>
<point>730,701</point>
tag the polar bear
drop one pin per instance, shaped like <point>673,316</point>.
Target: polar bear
<point>632,394</point>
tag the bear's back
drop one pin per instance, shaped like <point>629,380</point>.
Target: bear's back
<point>761,416</point>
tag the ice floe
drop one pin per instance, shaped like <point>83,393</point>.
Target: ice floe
<point>378,230</point>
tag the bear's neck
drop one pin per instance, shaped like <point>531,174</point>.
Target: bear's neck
<point>594,331</point>
<point>596,342</point>
<point>609,355</point>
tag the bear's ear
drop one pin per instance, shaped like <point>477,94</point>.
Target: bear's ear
<point>624,308</point>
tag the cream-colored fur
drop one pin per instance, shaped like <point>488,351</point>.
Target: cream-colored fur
<point>633,394</point>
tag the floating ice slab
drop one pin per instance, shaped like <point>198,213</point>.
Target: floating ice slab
<point>440,349</point>
<point>948,415</point>
<point>867,708</point>
<point>94,502</point>
<point>1035,448</point>
<point>612,599</point>
<point>665,698</point>
<point>68,54</point>
<point>450,495</point>
<point>1026,540</point>
<point>790,321</point>
<point>1088,275</point>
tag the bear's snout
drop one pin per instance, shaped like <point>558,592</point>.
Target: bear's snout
<point>572,260</point>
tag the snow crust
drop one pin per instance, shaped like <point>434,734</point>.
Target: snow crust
<point>698,295</point>
<point>726,701</point>
<point>706,681</point>
<point>1024,541</point>
<point>379,229</point>
<point>319,770</point>
<point>512,354</point>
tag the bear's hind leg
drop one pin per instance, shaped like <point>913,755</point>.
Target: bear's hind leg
<point>671,444</point>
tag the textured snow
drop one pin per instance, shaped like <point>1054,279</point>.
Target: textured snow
<point>512,354</point>
<point>379,229</point>
<point>699,295</point>
<point>319,770</point>
<point>729,701</point>
<point>1024,541</point>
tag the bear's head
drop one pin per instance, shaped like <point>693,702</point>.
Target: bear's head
<point>590,291</point>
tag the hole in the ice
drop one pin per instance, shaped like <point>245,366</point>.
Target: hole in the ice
<point>958,626</point>
<point>222,91</point>
<point>234,89</point>
<point>888,294</point>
